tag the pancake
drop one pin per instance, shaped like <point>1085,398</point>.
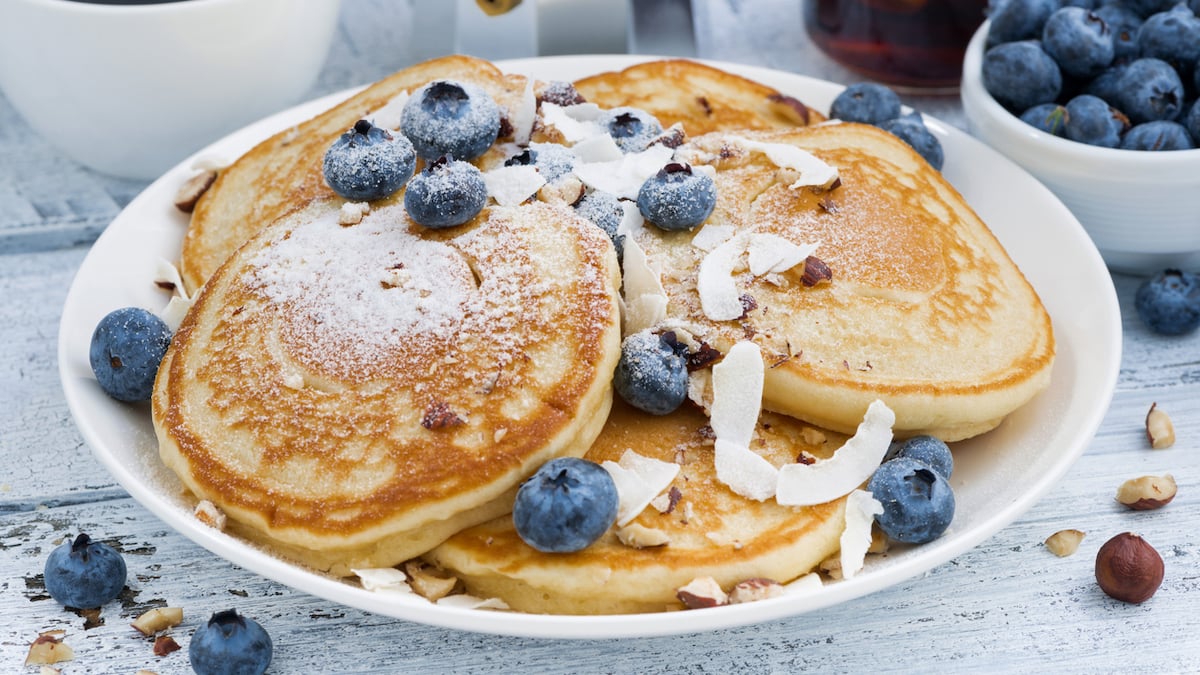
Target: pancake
<point>351,395</point>
<point>925,309</point>
<point>701,97</point>
<point>283,172</point>
<point>712,531</point>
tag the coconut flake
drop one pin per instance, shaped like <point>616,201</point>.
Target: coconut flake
<point>808,583</point>
<point>511,185</point>
<point>172,315</point>
<point>383,579</point>
<point>737,398</point>
<point>525,115</point>
<point>639,479</point>
<point>861,509</point>
<point>166,273</point>
<point>853,463</point>
<point>710,236</point>
<point>744,471</point>
<point>465,601</point>
<point>624,177</point>
<point>632,220</point>
<point>388,116</point>
<point>210,162</point>
<point>771,253</point>
<point>715,283</point>
<point>599,148</point>
<point>813,171</point>
<point>575,122</point>
<point>643,312</point>
<point>645,297</point>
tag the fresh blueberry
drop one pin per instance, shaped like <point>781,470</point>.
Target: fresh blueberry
<point>631,128</point>
<point>1124,24</point>
<point>912,130</point>
<point>1157,135</point>
<point>1015,20</point>
<point>1191,121</point>
<point>1079,41</point>
<point>565,506</point>
<point>1172,36</point>
<point>1093,121</point>
<point>1021,75</point>
<point>1107,84</point>
<point>651,375</point>
<point>1169,302</point>
<point>918,503</point>
<point>127,347</point>
<point>84,574</point>
<point>865,102</point>
<point>230,644</point>
<point>450,118</point>
<point>446,193</point>
<point>929,450</point>
<point>368,162</point>
<point>1145,8</point>
<point>1048,117</point>
<point>1149,89</point>
<point>603,209</point>
<point>676,198</point>
<point>553,161</point>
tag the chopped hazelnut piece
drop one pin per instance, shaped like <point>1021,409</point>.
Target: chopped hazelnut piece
<point>751,590</point>
<point>165,644</point>
<point>702,592</point>
<point>193,189</point>
<point>1159,429</point>
<point>1147,492</point>
<point>49,648</point>
<point>1064,542</point>
<point>426,582</point>
<point>634,535</point>
<point>210,514</point>
<point>158,619</point>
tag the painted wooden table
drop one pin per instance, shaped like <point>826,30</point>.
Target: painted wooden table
<point>1007,605</point>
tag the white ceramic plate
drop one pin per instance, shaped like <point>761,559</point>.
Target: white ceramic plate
<point>997,477</point>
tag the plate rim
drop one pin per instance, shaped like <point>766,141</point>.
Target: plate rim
<point>557,626</point>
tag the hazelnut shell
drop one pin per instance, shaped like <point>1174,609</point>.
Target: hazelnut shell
<point>1128,568</point>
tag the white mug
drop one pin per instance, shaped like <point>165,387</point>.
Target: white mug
<point>132,90</point>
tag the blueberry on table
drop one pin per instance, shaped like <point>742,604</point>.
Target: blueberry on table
<point>865,102</point>
<point>651,374</point>
<point>929,450</point>
<point>1079,41</point>
<point>127,347</point>
<point>912,130</point>
<point>1158,135</point>
<point>677,198</point>
<point>1048,117</point>
<point>450,118</point>
<point>446,193</point>
<point>230,644</point>
<point>368,162</point>
<point>1093,121</point>
<point>565,506</point>
<point>84,574</point>
<point>1149,89</point>
<point>1169,302</point>
<point>631,128</point>
<point>918,503</point>
<point>1020,75</point>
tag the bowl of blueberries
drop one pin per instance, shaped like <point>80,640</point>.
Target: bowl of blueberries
<point>1097,99</point>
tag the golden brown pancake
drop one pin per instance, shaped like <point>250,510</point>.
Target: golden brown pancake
<point>712,531</point>
<point>352,395</point>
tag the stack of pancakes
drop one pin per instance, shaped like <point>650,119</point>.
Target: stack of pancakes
<point>358,395</point>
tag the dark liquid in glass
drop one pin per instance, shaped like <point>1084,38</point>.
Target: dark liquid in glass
<point>905,43</point>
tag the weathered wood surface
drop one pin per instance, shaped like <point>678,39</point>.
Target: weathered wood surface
<point>1007,605</point>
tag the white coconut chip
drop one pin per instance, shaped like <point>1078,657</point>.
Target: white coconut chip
<point>645,297</point>
<point>861,509</point>
<point>166,273</point>
<point>632,220</point>
<point>511,185</point>
<point>624,177</point>
<point>598,148</point>
<point>639,479</point>
<point>525,115</point>
<point>575,123</point>
<point>770,253</point>
<point>210,162</point>
<point>808,583</point>
<point>744,471</point>
<point>465,601</point>
<point>708,237</point>
<point>737,399</point>
<point>849,467</point>
<point>388,116</point>
<point>172,315</point>
<point>644,312</point>
<point>813,171</point>
<point>383,579</point>
<point>718,291</point>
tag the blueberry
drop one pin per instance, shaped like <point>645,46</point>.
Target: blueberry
<point>631,128</point>
<point>1079,41</point>
<point>651,375</point>
<point>1107,84</point>
<point>912,130</point>
<point>1124,24</point>
<point>1157,135</point>
<point>1149,89</point>
<point>929,450</point>
<point>676,198</point>
<point>1048,117</point>
<point>918,503</point>
<point>446,193</point>
<point>603,209</point>
<point>865,102</point>
<point>450,118</point>
<point>1145,8</point>
<point>1169,302</point>
<point>1172,36</point>
<point>1016,20</point>
<point>1020,75</point>
<point>1191,120</point>
<point>553,161</point>
<point>565,506</point>
<point>230,644</point>
<point>127,347</point>
<point>1093,121</point>
<point>368,162</point>
<point>84,574</point>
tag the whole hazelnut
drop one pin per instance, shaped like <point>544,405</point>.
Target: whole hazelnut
<point>1128,568</point>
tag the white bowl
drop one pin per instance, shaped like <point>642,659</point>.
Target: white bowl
<point>1142,209</point>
